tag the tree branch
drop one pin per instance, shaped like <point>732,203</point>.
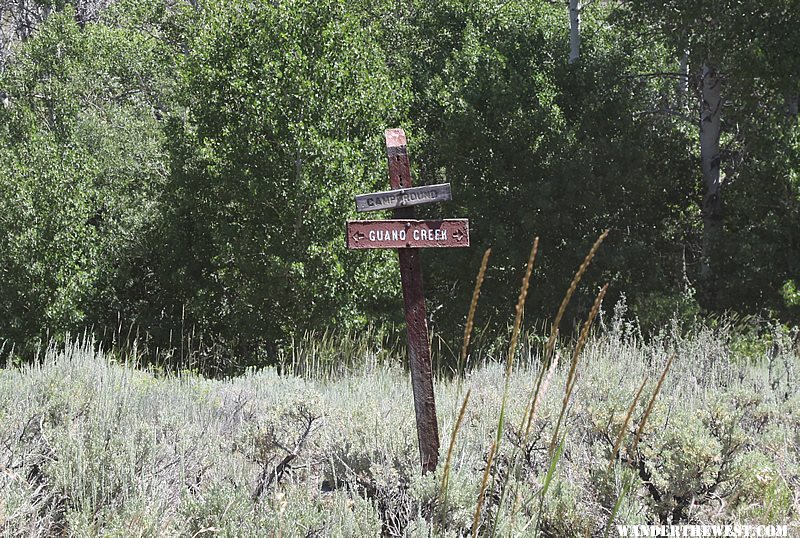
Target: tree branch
<point>666,111</point>
<point>667,74</point>
<point>268,477</point>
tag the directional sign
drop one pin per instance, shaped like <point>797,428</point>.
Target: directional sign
<point>399,233</point>
<point>403,197</point>
<point>408,235</point>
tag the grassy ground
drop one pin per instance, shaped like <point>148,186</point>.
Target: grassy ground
<point>93,447</point>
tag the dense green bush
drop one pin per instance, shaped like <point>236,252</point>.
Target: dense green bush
<point>285,111</point>
<point>82,169</point>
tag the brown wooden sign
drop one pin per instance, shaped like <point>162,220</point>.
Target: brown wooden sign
<point>407,235</point>
<point>403,197</point>
<point>399,233</point>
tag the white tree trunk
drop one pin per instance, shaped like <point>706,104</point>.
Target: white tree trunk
<point>574,30</point>
<point>710,128</point>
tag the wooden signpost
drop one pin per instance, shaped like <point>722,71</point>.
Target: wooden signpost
<point>407,235</point>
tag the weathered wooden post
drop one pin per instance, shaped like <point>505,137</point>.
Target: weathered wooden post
<point>408,236</point>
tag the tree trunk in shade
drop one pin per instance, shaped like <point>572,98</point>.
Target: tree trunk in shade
<point>791,106</point>
<point>710,128</point>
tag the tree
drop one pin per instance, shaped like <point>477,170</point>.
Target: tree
<point>286,104</point>
<point>536,145</point>
<point>80,170</point>
<point>737,50</point>
<point>575,9</point>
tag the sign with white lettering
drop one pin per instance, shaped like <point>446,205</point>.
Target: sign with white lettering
<point>398,233</point>
<point>408,235</point>
<point>403,197</point>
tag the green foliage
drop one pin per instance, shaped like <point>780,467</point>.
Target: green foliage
<point>747,42</point>
<point>790,293</point>
<point>534,146</point>
<point>651,310</point>
<point>765,496</point>
<point>285,107</point>
<point>182,172</point>
<point>82,166</point>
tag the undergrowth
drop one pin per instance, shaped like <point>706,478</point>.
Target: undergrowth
<point>94,446</point>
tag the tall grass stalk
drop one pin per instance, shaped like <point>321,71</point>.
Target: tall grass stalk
<point>520,308</point>
<point>551,342</point>
<point>548,479</point>
<point>628,483</point>
<point>512,347</point>
<point>573,367</point>
<point>626,487</point>
<point>527,416</point>
<point>476,520</point>
<point>446,472</point>
<point>650,405</point>
<point>471,316</point>
<point>545,384</point>
<point>624,427</point>
<point>542,392</point>
<point>528,412</point>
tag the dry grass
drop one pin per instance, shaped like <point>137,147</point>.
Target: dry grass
<point>650,406</point>
<point>527,418</point>
<point>476,520</point>
<point>573,367</point>
<point>448,459</point>
<point>551,342</point>
<point>519,309</point>
<point>624,426</point>
<point>95,447</point>
<point>473,305</point>
<point>512,347</point>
